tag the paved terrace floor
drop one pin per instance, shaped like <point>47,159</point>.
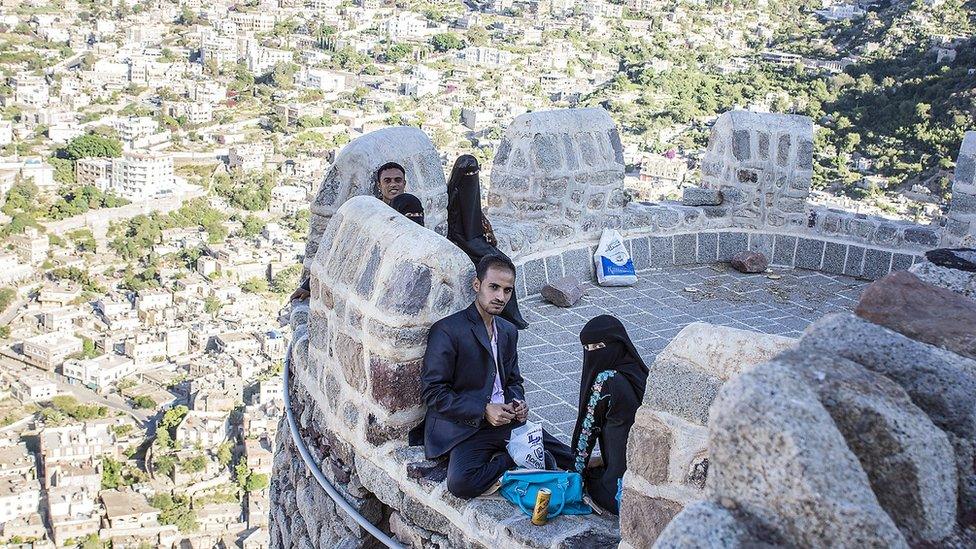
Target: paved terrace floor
<point>654,311</point>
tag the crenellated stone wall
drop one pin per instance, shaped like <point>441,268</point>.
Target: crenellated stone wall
<point>558,175</point>
<point>378,281</point>
<point>667,454</point>
<point>762,164</point>
<point>961,224</point>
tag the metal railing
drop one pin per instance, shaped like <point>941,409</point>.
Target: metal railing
<point>296,437</point>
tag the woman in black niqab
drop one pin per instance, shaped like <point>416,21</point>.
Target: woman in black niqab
<point>467,227</point>
<point>611,390</point>
<point>410,206</point>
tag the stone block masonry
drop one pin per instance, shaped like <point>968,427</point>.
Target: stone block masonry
<point>961,224</point>
<point>354,174</point>
<point>667,454</point>
<point>762,164</point>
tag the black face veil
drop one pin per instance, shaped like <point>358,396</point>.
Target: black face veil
<point>464,201</point>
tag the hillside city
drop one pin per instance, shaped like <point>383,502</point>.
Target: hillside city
<point>159,158</point>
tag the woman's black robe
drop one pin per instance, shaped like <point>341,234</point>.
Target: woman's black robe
<point>465,225</point>
<point>614,414</point>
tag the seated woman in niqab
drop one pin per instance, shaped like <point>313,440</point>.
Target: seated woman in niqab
<point>410,206</point>
<point>467,226</point>
<point>611,389</point>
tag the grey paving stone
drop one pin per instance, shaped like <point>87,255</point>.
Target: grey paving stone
<point>535,276</point>
<point>661,251</point>
<point>707,247</point>
<point>730,244</point>
<point>656,309</point>
<point>784,249</point>
<point>901,262</point>
<point>578,263</point>
<point>554,268</point>
<point>809,253</point>
<point>855,261</point>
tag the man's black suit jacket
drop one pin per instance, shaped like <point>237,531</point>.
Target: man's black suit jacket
<point>459,374</point>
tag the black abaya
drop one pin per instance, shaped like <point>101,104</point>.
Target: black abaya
<point>465,223</point>
<point>620,396</point>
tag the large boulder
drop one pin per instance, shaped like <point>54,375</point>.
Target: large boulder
<point>941,383</point>
<point>705,525</point>
<point>721,350</point>
<point>908,460</point>
<point>958,281</point>
<point>921,311</point>
<point>777,455</point>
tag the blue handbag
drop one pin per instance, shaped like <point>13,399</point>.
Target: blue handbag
<point>521,487</point>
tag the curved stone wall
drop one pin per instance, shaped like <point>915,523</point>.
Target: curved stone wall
<point>378,281</point>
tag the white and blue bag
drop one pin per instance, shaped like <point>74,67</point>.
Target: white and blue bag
<point>614,267</point>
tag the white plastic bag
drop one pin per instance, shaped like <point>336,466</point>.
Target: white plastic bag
<point>526,447</point>
<point>613,264</point>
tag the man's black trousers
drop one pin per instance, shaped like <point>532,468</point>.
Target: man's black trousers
<point>481,459</point>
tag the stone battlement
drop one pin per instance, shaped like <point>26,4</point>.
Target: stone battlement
<point>378,281</point>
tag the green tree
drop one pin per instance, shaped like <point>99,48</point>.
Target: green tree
<point>241,473</point>
<point>7,296</point>
<point>446,41</point>
<point>212,305</point>
<point>64,170</point>
<point>252,225</point>
<point>256,482</point>
<point>145,402</point>
<point>165,465</point>
<point>255,285</point>
<point>195,464</point>
<point>396,52</point>
<point>111,473</point>
<point>283,75</point>
<point>224,454</point>
<point>175,510</point>
<point>173,417</point>
<point>286,280</point>
<point>91,145</point>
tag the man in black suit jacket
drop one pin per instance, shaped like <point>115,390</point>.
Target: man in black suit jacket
<point>473,389</point>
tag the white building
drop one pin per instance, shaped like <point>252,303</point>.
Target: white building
<point>208,429</point>
<point>19,496</point>
<point>99,372</point>
<point>6,132</point>
<point>13,269</point>
<point>96,172</point>
<point>403,26</point>
<point>31,246</point>
<point>261,60</point>
<point>328,80</point>
<point>153,299</point>
<point>248,156</point>
<point>287,199</point>
<point>195,112</point>
<point>144,349</point>
<point>141,176</point>
<point>30,90</point>
<point>31,388</point>
<point>48,351</point>
<point>486,57</point>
